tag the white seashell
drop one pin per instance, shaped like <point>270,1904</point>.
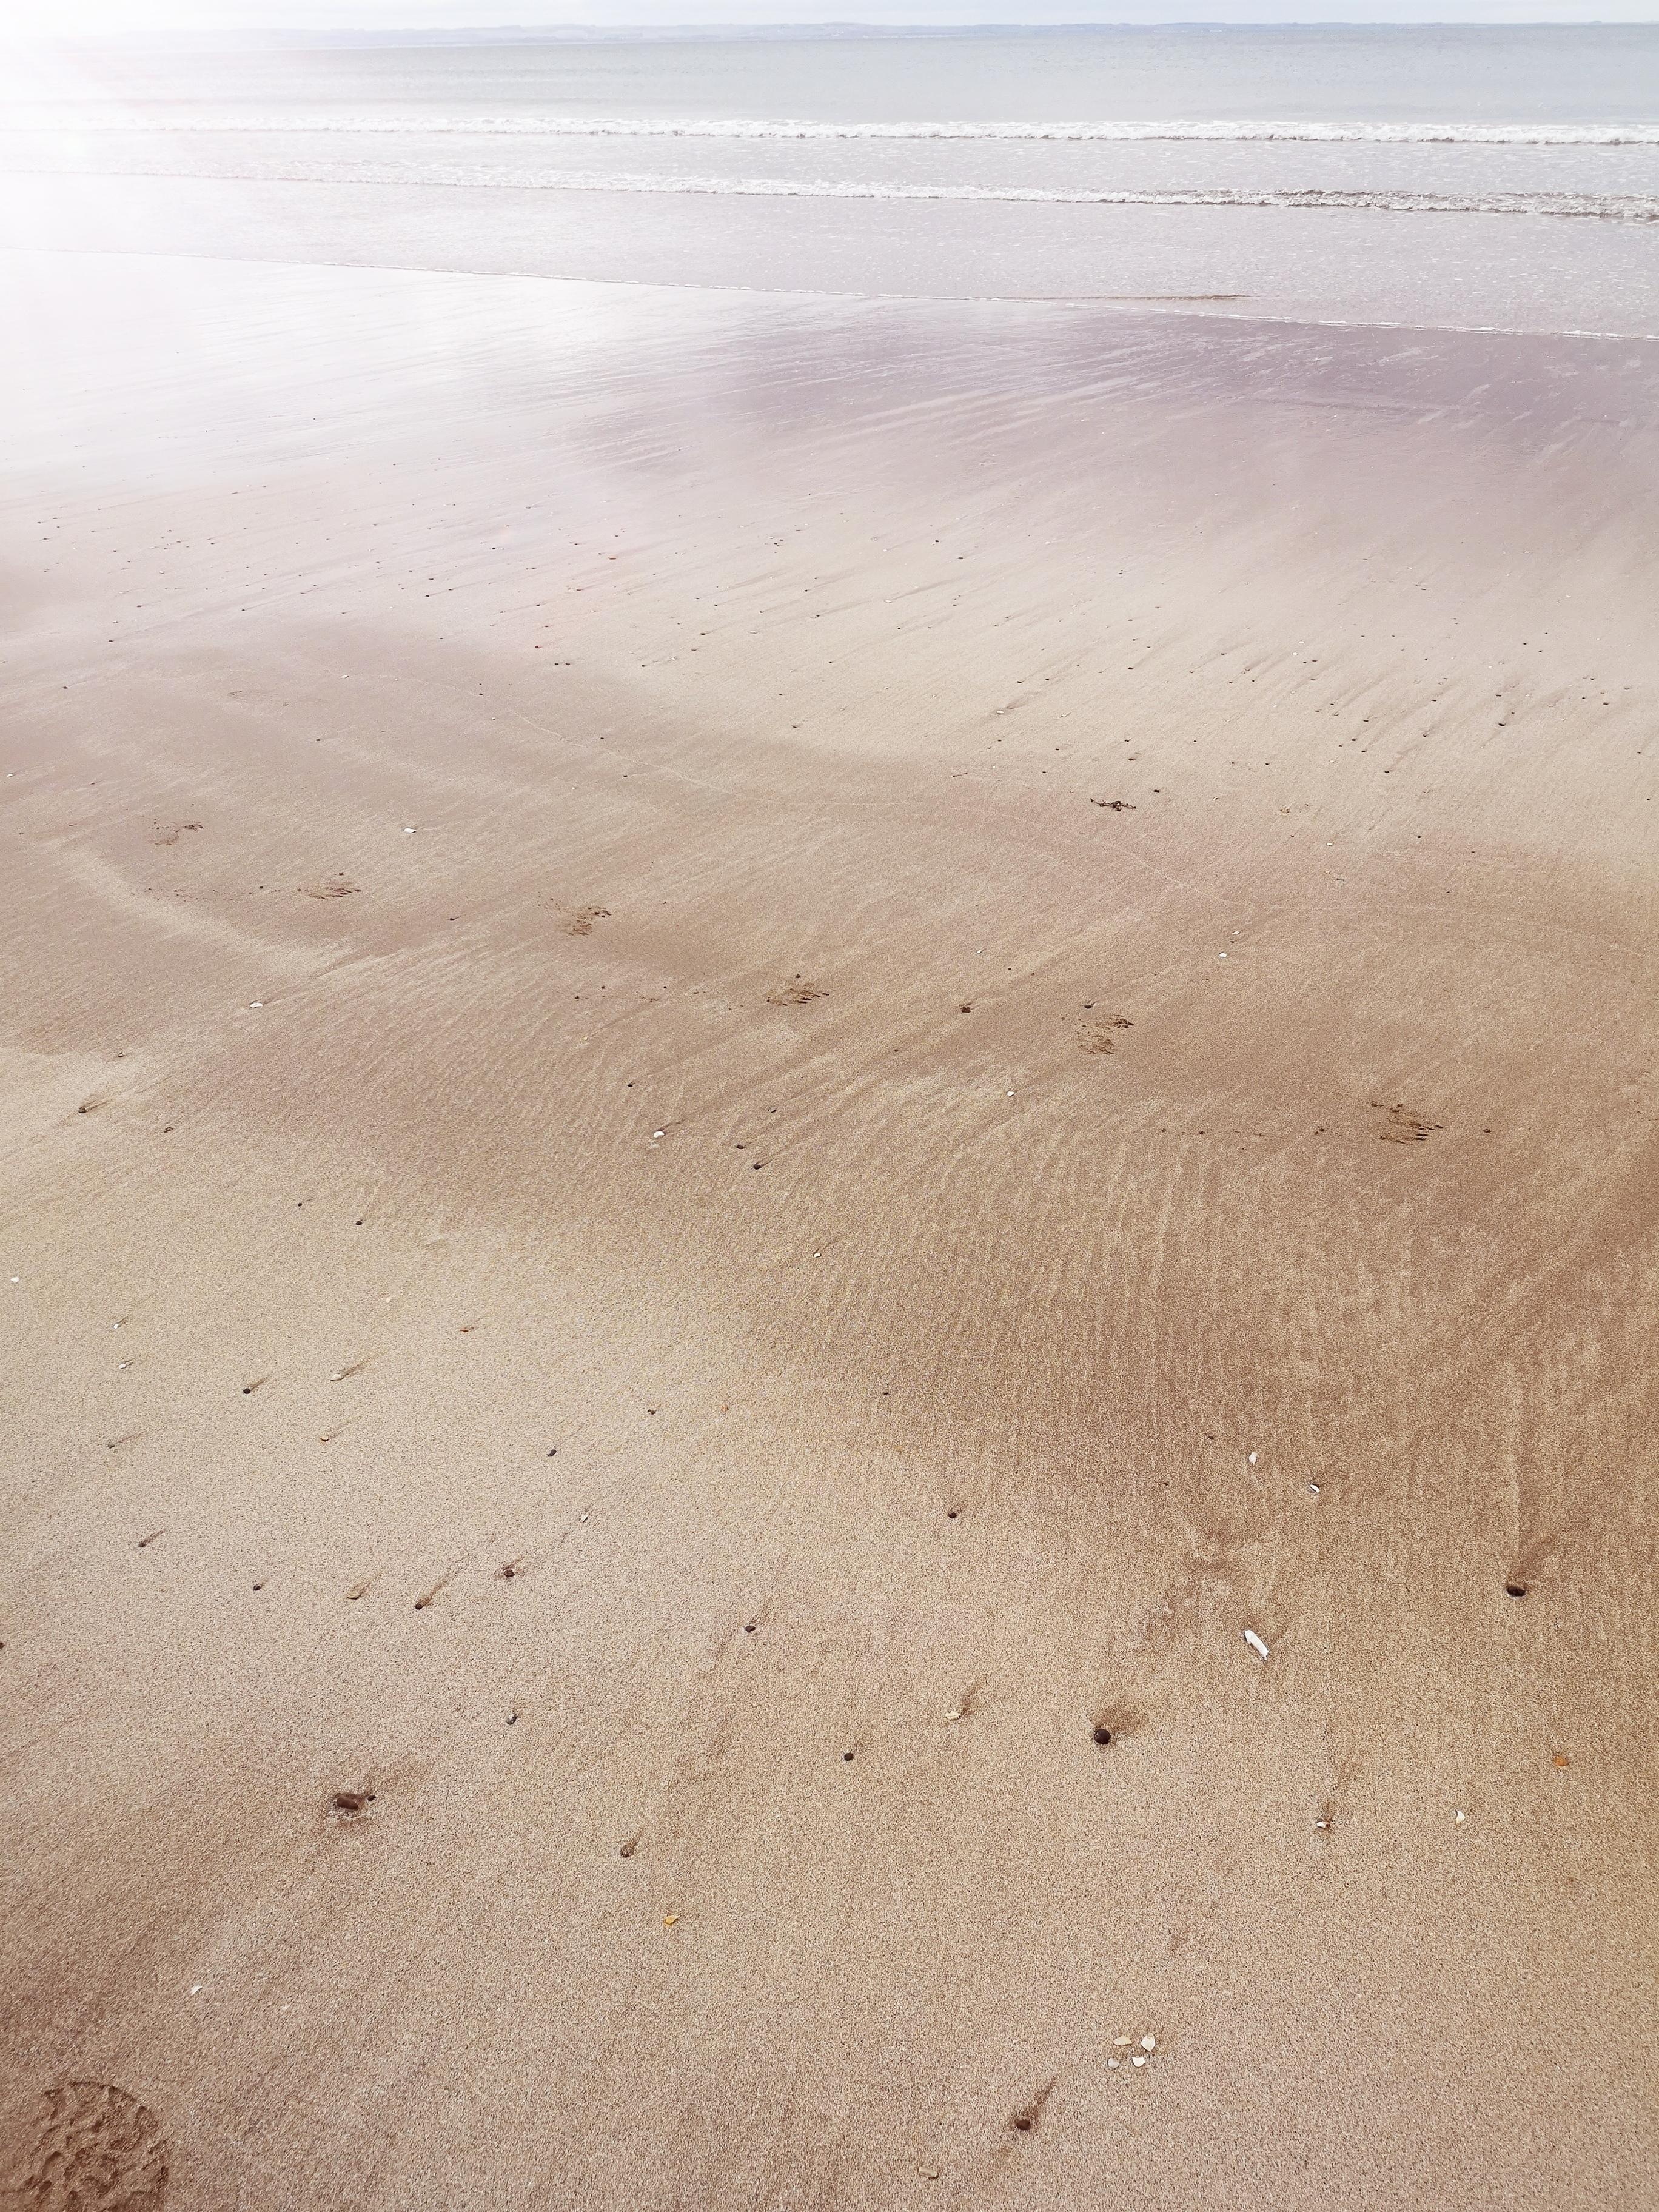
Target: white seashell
<point>1255,1644</point>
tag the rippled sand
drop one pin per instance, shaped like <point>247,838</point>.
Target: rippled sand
<point>717,1493</point>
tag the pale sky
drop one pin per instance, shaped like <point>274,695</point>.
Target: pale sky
<point>76,17</point>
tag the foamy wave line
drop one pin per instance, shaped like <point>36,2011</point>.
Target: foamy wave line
<point>1129,133</point>
<point>1603,207</point>
<point>1606,207</point>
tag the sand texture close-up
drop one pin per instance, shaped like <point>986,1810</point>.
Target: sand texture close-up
<point>913,1467</point>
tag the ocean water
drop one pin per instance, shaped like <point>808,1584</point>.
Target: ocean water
<point>1489,178</point>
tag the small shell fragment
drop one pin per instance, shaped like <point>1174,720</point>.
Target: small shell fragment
<point>1255,1644</point>
<point>671,1919</point>
<point>1252,1459</point>
<point>1138,2060</point>
<point>1120,2043</point>
<point>1460,1818</point>
<point>1115,2061</point>
<point>1149,2043</point>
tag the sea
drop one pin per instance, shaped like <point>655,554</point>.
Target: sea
<point>1447,177</point>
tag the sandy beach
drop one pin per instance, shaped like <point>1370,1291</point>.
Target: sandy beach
<point>913,1468</point>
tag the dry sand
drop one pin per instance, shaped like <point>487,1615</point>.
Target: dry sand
<point>577,1511</point>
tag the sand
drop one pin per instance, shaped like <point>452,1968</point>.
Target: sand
<point>613,1393</point>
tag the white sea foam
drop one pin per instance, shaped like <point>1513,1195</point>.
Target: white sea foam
<point>1131,132</point>
<point>1615,207</point>
<point>1605,207</point>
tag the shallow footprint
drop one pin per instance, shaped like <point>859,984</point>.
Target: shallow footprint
<point>797,993</point>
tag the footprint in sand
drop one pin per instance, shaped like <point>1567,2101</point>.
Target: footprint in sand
<point>329,887</point>
<point>1402,1127</point>
<point>95,2149</point>
<point>169,833</point>
<point>1099,1037</point>
<point>797,993</point>
<point>581,922</point>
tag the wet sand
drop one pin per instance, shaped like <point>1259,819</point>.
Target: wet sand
<point>649,1428</point>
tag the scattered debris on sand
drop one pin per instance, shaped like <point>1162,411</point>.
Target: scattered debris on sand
<point>1402,1127</point>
